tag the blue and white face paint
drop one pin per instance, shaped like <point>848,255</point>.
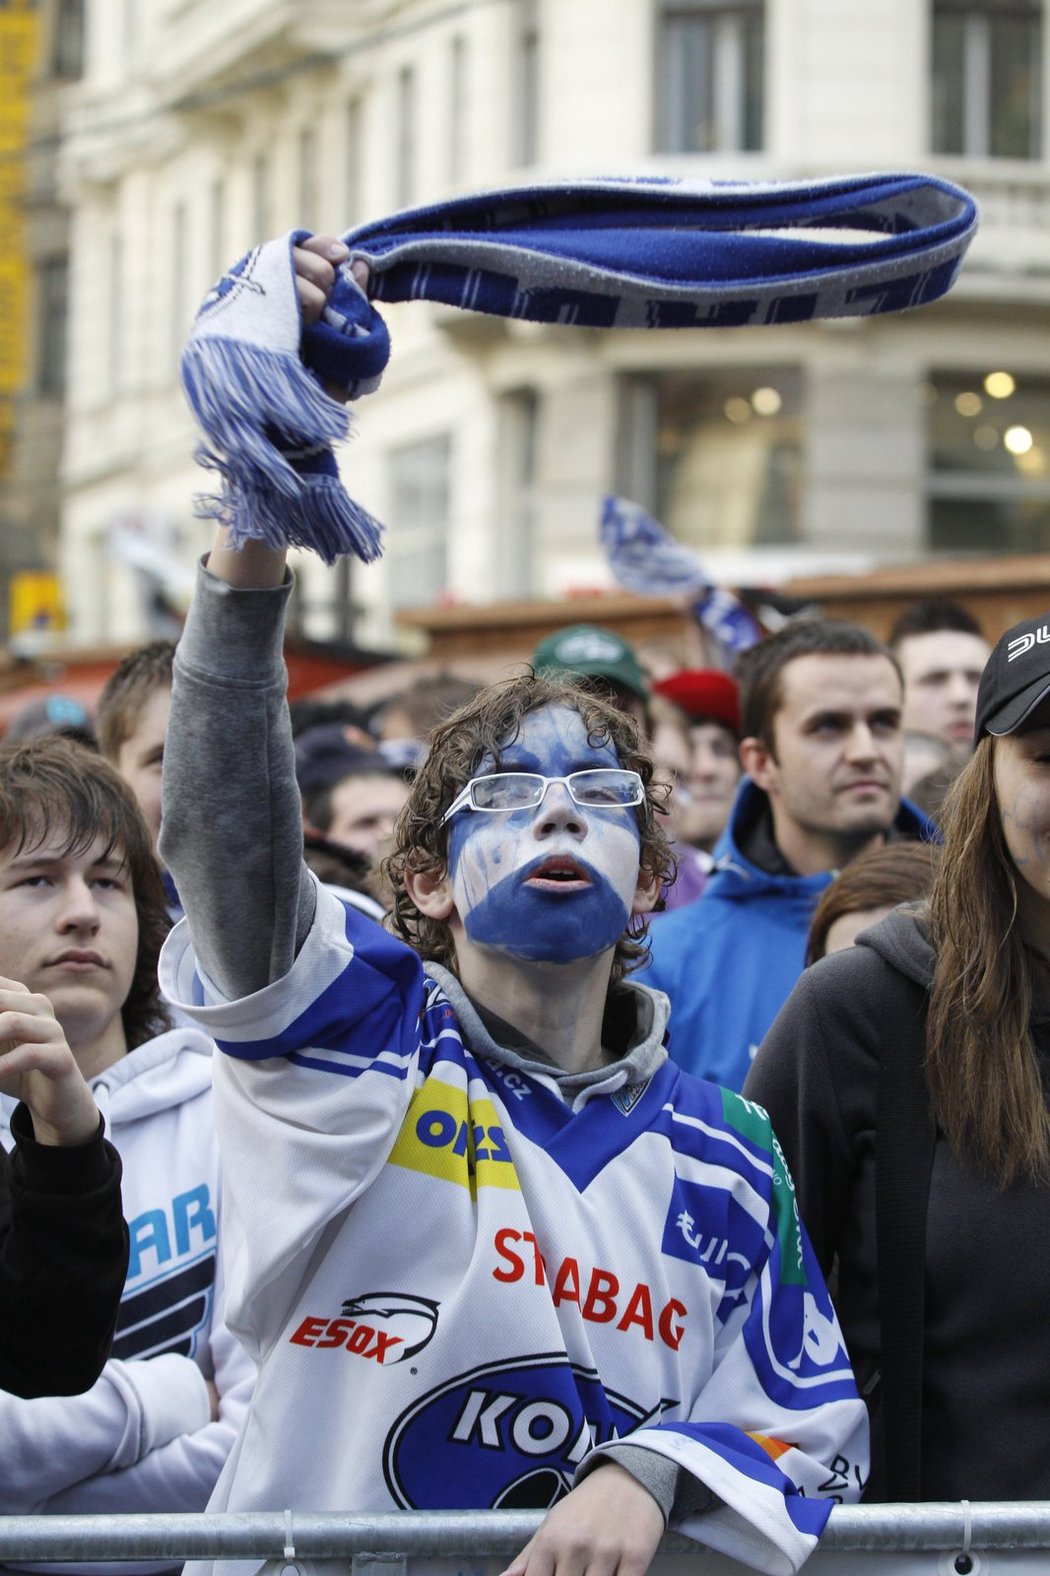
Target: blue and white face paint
<point>554,883</point>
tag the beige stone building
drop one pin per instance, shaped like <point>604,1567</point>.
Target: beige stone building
<point>199,126</point>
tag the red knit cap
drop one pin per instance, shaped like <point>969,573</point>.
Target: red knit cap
<point>704,694</point>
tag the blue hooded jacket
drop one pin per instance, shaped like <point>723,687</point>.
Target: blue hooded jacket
<point>729,961</point>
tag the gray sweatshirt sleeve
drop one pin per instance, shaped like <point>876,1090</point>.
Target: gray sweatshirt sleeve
<point>677,1493</point>
<point>232,833</point>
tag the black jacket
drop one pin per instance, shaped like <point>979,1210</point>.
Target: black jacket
<point>63,1259</point>
<point>986,1351</point>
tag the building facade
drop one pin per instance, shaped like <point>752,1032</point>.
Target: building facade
<point>197,128</point>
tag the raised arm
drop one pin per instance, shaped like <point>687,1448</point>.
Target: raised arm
<point>232,823</point>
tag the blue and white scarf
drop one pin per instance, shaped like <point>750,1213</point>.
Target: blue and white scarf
<point>646,253</point>
<point>646,559</point>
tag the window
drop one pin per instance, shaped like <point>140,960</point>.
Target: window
<point>525,82</point>
<point>417,551</point>
<point>405,172</point>
<point>67,44</point>
<point>262,198</point>
<point>717,456</point>
<point>457,116</point>
<point>353,191</point>
<point>131,34</point>
<point>53,277</point>
<point>710,67</point>
<point>181,309</point>
<point>116,324</point>
<point>988,455</point>
<point>519,433</point>
<point>217,259</point>
<point>987,97</point>
<point>309,194</point>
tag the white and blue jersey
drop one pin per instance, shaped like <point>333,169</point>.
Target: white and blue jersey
<point>459,1286</point>
<point>143,1437</point>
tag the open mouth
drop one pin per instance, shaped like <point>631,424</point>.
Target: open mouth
<point>558,874</point>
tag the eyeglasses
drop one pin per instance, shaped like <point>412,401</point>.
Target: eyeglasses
<point>607,788</point>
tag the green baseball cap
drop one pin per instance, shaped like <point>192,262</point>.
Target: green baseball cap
<point>592,652</point>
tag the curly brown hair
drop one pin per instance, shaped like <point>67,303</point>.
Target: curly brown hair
<point>483,727</point>
<point>49,783</point>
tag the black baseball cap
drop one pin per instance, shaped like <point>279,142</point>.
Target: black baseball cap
<point>1015,680</point>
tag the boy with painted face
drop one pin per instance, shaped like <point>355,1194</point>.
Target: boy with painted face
<point>510,890</point>
<point>515,1257</point>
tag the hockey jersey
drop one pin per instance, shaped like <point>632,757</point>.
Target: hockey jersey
<point>142,1438</point>
<point>459,1286</point>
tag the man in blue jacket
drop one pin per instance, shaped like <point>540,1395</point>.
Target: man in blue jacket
<point>822,749</point>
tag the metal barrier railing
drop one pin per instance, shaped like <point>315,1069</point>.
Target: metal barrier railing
<point>960,1539</point>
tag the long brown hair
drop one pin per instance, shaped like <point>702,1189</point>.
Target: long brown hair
<point>981,1064</point>
<point>457,748</point>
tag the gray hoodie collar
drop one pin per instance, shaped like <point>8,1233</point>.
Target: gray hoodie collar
<point>488,1035</point>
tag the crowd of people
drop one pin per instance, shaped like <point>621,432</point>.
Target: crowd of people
<point>409,1100</point>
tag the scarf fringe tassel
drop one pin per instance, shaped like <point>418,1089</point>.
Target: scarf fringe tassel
<point>322,519</point>
<point>251,404</point>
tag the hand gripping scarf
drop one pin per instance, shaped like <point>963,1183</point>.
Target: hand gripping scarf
<point>647,253</point>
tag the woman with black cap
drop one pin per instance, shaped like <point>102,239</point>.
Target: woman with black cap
<point>907,1078</point>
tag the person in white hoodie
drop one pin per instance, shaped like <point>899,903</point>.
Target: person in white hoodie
<point>82,918</point>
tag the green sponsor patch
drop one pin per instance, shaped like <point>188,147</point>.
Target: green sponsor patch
<point>747,1119</point>
<point>751,1122</point>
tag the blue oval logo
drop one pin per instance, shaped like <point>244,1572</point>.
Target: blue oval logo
<point>503,1436</point>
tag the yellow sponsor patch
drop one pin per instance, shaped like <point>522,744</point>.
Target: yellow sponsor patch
<point>446,1135</point>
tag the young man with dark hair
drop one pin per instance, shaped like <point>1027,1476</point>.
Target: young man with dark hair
<point>515,1252</point>
<point>354,798</point>
<point>82,919</point>
<point>132,720</point>
<point>942,653</point>
<point>822,749</point>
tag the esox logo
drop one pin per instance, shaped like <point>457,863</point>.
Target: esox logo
<point>387,1326</point>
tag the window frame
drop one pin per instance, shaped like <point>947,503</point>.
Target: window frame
<point>736,86</point>
<point>975,89</point>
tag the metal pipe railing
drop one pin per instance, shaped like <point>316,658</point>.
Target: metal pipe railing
<point>407,1534</point>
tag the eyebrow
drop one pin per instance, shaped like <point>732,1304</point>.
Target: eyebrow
<point>844,718</point>
<point>582,764</point>
<point>38,859</point>
<point>928,675</point>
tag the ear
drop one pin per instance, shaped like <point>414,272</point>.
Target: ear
<point>646,894</point>
<point>757,760</point>
<point>430,891</point>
